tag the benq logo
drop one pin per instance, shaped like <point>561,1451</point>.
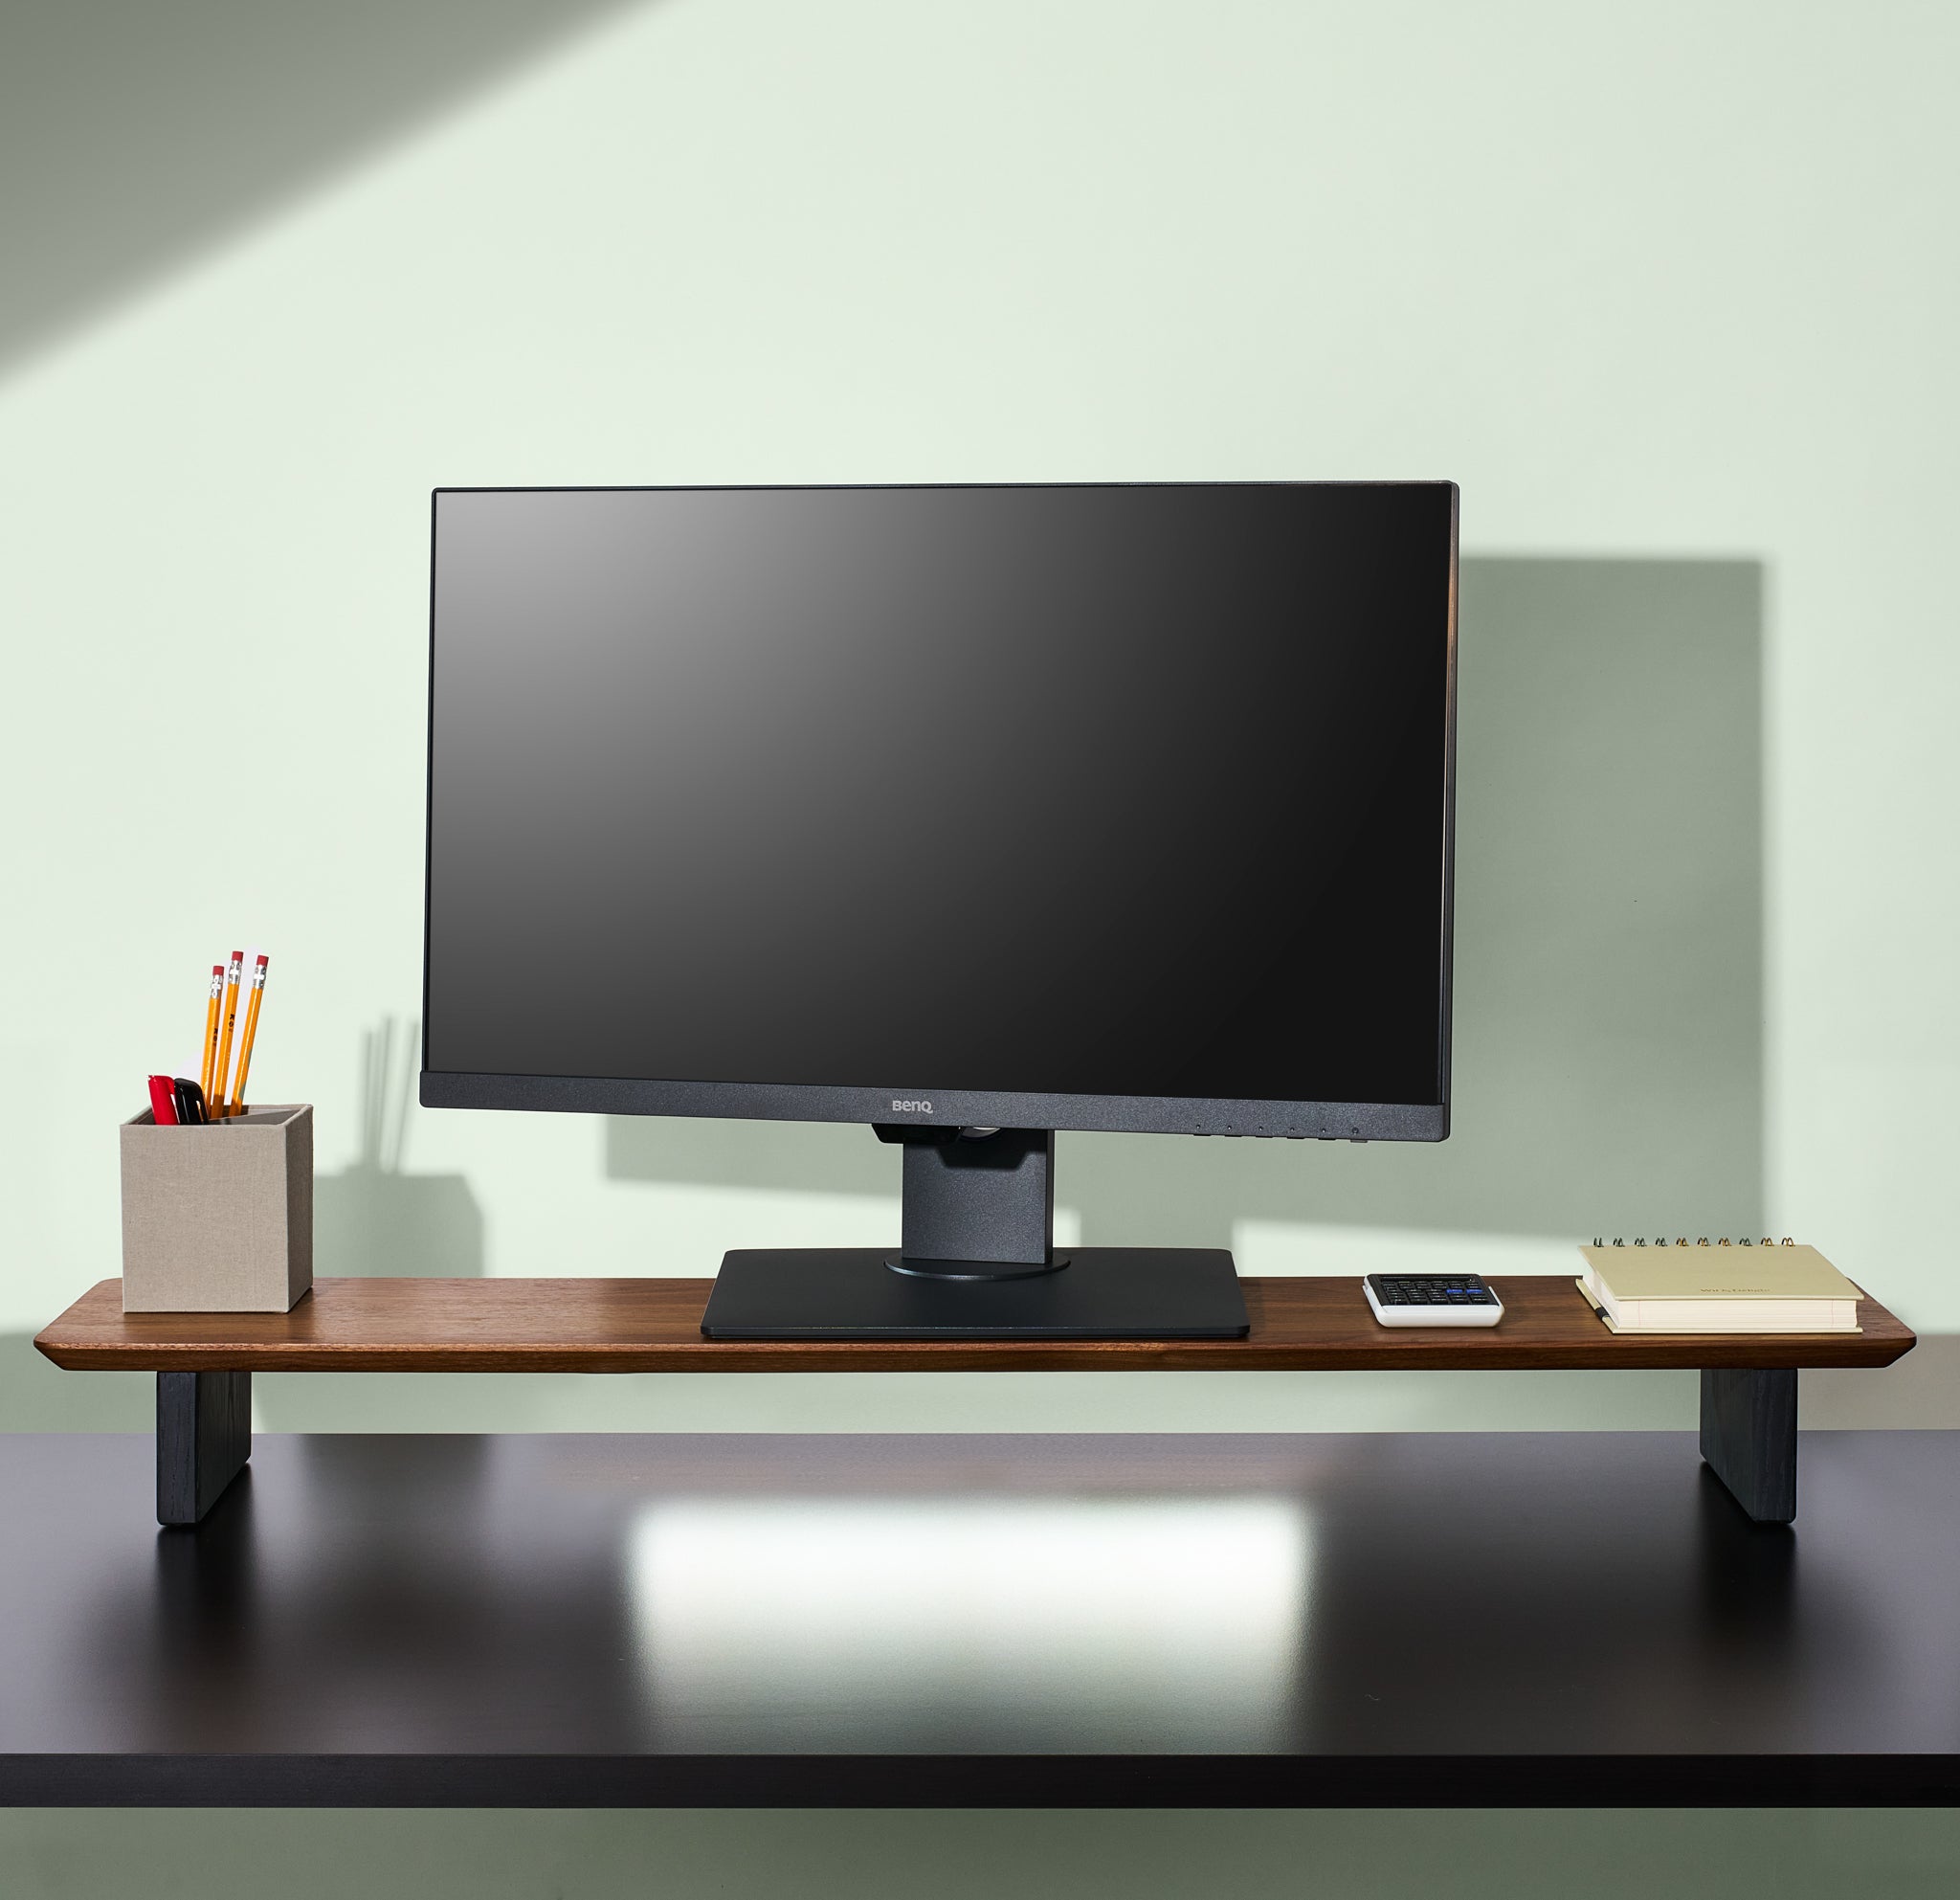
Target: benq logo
<point>910,1108</point>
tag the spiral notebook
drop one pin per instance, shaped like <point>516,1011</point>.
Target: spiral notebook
<point>1718,1286</point>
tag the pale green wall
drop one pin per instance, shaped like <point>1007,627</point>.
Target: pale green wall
<point>1671,291</point>
<point>1187,1855</point>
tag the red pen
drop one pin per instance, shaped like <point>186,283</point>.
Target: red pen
<point>162,1104</point>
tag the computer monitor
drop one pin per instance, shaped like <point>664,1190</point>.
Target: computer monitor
<point>972,813</point>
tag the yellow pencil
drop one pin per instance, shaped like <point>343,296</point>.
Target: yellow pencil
<point>245,1046</point>
<point>234,971</point>
<point>211,1030</point>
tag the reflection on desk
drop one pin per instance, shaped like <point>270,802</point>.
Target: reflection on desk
<point>977,1624</point>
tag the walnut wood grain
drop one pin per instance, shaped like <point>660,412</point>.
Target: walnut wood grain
<point>653,1326</point>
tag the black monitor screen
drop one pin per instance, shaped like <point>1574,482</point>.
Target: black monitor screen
<point>1085,791</point>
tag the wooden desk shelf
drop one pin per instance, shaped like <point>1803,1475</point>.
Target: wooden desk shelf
<point>204,1361</point>
<point>654,1326</point>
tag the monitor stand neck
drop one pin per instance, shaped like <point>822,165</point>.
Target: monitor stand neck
<point>978,1206</point>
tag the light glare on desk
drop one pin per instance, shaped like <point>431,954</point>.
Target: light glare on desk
<point>1062,1623</point>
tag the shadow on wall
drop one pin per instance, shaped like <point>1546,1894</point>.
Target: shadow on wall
<point>1608,1070</point>
<point>373,1217</point>
<point>133,135</point>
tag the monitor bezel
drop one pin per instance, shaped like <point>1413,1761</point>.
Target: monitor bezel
<point>918,1100</point>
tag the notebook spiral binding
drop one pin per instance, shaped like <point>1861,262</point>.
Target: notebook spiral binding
<point>1704,1241</point>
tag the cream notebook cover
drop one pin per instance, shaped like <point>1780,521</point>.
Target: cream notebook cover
<point>1699,1288</point>
<point>1717,1273</point>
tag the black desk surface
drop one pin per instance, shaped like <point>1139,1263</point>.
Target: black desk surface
<point>1525,1618</point>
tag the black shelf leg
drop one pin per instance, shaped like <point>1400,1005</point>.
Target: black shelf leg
<point>204,1437</point>
<point>1749,1438</point>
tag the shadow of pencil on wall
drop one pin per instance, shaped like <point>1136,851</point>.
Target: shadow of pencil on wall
<point>376,1218</point>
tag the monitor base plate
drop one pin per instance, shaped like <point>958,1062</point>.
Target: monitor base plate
<point>853,1293</point>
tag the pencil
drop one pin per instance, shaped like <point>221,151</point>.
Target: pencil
<point>233,973</point>
<point>245,1045</point>
<point>210,1028</point>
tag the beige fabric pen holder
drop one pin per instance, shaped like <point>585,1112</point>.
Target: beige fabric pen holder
<point>218,1218</point>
